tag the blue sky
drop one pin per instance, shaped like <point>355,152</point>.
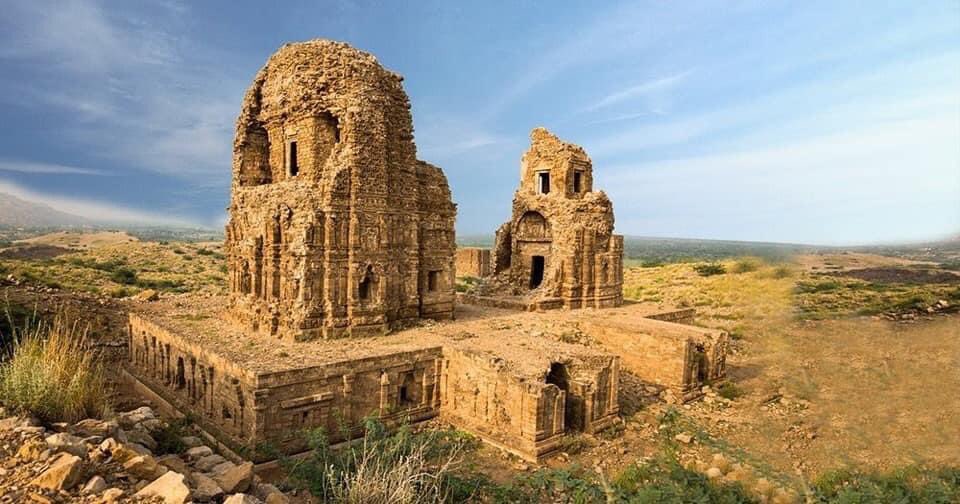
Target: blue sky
<point>817,122</point>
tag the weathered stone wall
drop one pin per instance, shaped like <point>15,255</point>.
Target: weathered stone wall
<point>335,227</point>
<point>680,357</point>
<point>559,244</point>
<point>473,262</point>
<point>527,417</point>
<point>221,395</point>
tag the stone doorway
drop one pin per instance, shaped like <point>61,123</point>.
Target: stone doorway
<point>572,407</point>
<point>537,263</point>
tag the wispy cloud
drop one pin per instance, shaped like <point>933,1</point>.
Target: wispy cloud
<point>45,168</point>
<point>99,211</point>
<point>638,90</point>
<point>838,183</point>
<point>141,94</point>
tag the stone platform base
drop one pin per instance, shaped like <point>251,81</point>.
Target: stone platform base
<point>257,395</point>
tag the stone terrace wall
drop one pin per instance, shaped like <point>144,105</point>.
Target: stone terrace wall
<point>680,357</point>
<point>473,262</point>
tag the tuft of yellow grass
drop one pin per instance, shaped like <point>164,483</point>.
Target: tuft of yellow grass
<point>51,374</point>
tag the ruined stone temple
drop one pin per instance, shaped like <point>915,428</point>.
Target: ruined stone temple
<point>558,248</point>
<point>335,227</point>
<point>337,236</point>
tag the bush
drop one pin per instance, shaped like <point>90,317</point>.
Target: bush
<point>907,485</point>
<point>170,438</point>
<point>402,467</point>
<point>782,272</point>
<point>51,374</point>
<point>729,390</point>
<point>745,266</point>
<point>125,276</point>
<point>710,269</point>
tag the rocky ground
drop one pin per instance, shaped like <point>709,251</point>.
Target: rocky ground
<point>97,461</point>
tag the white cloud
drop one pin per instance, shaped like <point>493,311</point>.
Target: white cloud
<point>654,86</point>
<point>96,210</point>
<point>44,168</point>
<point>897,180</point>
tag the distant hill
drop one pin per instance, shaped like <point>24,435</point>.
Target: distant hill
<point>16,212</point>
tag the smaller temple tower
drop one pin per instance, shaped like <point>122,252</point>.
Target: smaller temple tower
<point>558,247</point>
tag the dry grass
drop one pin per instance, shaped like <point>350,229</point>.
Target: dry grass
<point>50,372</point>
<point>382,468</point>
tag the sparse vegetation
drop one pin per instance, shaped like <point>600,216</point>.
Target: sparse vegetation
<point>912,484</point>
<point>382,467</point>
<point>709,269</point>
<point>51,374</point>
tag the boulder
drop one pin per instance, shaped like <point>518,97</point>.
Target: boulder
<point>199,452</point>
<point>94,486</point>
<point>174,463</point>
<point>111,495</point>
<point>63,442</point>
<point>270,494</point>
<point>206,464</point>
<point>32,449</point>
<point>235,479</point>
<point>242,499</point>
<point>191,441</point>
<point>205,489</point>
<point>93,427</point>
<point>63,474</point>
<point>131,418</point>
<point>714,472</point>
<point>144,467</point>
<point>124,452</point>
<point>171,487</point>
<point>142,438</point>
<point>147,295</point>
<point>684,438</point>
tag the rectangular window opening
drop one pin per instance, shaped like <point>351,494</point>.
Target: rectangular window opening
<point>294,166</point>
<point>543,182</point>
<point>577,176</point>
<point>433,280</point>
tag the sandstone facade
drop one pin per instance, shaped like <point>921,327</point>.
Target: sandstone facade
<point>473,262</point>
<point>335,227</point>
<point>558,249</point>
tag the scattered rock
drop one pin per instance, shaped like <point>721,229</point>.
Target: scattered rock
<point>205,489</point>
<point>131,418</point>
<point>63,474</point>
<point>147,296</point>
<point>684,438</point>
<point>67,443</point>
<point>174,463</point>
<point>111,495</point>
<point>714,472</point>
<point>31,449</point>
<point>92,427</point>
<point>206,464</point>
<point>235,479</point>
<point>199,452</point>
<point>242,499</point>
<point>171,487</point>
<point>96,485</point>
<point>142,438</point>
<point>144,467</point>
<point>191,441</point>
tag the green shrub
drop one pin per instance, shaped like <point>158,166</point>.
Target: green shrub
<point>729,390</point>
<point>125,276</point>
<point>782,272</point>
<point>710,269</point>
<point>170,438</point>
<point>663,479</point>
<point>651,263</point>
<point>118,293</point>
<point>908,485</point>
<point>52,374</point>
<point>745,266</point>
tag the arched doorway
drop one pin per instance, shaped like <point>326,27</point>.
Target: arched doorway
<point>573,407</point>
